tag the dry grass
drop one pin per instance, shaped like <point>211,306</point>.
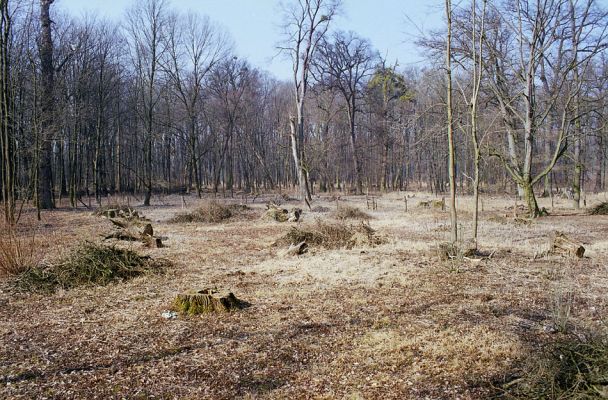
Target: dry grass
<point>210,212</point>
<point>386,322</point>
<point>87,264</point>
<point>17,253</point>
<point>350,212</point>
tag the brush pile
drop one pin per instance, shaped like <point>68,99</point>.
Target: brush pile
<point>89,264</point>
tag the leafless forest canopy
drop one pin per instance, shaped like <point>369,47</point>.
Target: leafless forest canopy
<point>160,103</point>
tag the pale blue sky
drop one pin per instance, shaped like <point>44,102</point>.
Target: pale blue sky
<point>254,24</point>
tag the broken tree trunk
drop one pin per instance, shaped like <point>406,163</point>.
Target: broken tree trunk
<point>203,301</point>
<point>565,246</point>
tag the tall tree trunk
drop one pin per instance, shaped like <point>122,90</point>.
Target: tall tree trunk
<point>45,177</point>
<point>450,122</point>
<point>7,145</point>
<point>300,162</point>
<point>353,145</point>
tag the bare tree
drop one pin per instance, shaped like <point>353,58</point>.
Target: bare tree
<point>539,31</point>
<point>146,23</point>
<point>7,142</point>
<point>45,178</point>
<point>193,49</point>
<point>344,64</point>
<point>306,22</point>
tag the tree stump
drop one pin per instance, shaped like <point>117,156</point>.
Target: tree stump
<point>203,301</point>
<point>565,246</point>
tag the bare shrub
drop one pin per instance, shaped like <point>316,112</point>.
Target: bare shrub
<point>17,254</point>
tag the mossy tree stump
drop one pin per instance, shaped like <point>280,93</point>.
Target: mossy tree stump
<point>203,301</point>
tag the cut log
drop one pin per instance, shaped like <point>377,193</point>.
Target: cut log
<point>133,231</point>
<point>203,301</point>
<point>296,249</point>
<point>562,245</point>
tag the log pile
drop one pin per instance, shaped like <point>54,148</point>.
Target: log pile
<point>134,231</point>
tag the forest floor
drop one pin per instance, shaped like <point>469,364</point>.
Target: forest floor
<point>386,322</point>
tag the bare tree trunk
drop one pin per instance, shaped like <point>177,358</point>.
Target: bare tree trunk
<point>7,145</point>
<point>47,70</point>
<point>353,145</point>
<point>578,168</point>
<point>450,121</point>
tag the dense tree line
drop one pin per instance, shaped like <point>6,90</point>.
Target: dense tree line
<point>161,103</point>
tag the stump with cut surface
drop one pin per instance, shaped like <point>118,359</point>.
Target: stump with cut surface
<point>562,245</point>
<point>203,301</point>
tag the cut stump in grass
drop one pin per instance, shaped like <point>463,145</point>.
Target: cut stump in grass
<point>203,301</point>
<point>562,245</point>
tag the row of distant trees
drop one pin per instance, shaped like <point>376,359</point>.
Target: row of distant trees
<point>161,103</point>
